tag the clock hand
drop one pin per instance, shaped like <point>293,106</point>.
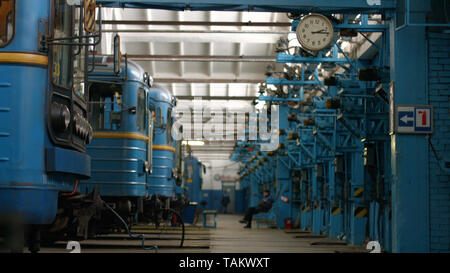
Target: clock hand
<point>319,32</point>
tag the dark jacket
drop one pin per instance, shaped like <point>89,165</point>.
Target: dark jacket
<point>266,204</point>
<point>225,200</point>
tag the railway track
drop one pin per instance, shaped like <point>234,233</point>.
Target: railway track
<point>165,239</point>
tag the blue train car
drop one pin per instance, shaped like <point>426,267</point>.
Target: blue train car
<point>43,117</point>
<point>192,187</point>
<point>120,148</point>
<point>180,190</point>
<point>162,182</point>
<point>133,155</point>
<point>193,179</point>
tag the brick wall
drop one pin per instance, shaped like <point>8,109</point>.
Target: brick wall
<point>439,97</point>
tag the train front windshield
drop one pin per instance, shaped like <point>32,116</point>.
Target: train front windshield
<point>140,119</point>
<point>169,127</point>
<point>7,8</point>
<point>79,65</point>
<point>105,102</point>
<point>63,19</point>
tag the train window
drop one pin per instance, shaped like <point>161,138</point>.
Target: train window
<point>7,8</point>
<point>61,72</point>
<point>105,106</point>
<point>140,118</point>
<point>158,118</point>
<point>169,127</point>
<point>189,173</point>
<point>78,64</point>
<point>78,75</point>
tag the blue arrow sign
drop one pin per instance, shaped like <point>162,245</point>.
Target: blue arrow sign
<point>414,119</point>
<point>406,119</point>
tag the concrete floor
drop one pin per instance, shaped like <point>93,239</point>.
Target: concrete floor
<point>228,237</point>
<point>231,237</point>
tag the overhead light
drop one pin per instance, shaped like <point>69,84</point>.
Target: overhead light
<point>193,142</point>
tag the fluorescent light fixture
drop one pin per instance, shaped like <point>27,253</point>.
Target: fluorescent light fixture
<point>193,142</point>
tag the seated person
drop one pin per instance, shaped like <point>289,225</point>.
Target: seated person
<point>264,206</point>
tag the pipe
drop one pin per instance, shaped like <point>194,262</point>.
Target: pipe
<point>210,80</point>
<point>194,31</point>
<point>217,98</point>
<point>197,58</point>
<point>73,191</point>
<point>196,23</point>
<point>203,58</point>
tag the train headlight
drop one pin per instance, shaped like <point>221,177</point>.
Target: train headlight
<point>59,116</point>
<point>82,128</point>
<point>90,135</point>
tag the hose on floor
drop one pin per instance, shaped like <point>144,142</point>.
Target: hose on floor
<point>182,225</point>
<point>134,236</point>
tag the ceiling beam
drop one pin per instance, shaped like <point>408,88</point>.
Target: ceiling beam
<point>202,58</point>
<point>196,23</point>
<point>138,36</point>
<point>166,31</point>
<point>298,7</point>
<point>207,80</point>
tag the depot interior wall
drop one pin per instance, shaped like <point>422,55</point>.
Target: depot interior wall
<point>216,169</point>
<point>439,98</point>
<point>212,186</point>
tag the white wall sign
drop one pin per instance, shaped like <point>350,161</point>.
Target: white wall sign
<point>414,119</point>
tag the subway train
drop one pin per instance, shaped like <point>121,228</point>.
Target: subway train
<point>193,178</point>
<point>134,164</point>
<point>44,127</point>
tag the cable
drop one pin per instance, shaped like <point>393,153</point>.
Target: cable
<point>434,152</point>
<point>182,225</point>
<point>134,236</point>
<point>141,236</point>
<point>73,191</point>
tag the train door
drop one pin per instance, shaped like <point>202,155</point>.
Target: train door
<point>230,189</point>
<point>150,118</point>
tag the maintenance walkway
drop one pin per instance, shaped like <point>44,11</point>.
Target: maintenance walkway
<point>231,237</point>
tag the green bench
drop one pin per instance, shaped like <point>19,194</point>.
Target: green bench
<point>205,213</point>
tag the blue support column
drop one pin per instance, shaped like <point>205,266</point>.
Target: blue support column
<point>254,194</point>
<point>309,206</point>
<point>330,196</point>
<point>316,210</point>
<point>358,210</point>
<point>337,204</point>
<point>283,209</point>
<point>304,208</point>
<point>283,187</point>
<point>409,153</point>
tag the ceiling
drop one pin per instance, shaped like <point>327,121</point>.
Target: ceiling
<point>218,56</point>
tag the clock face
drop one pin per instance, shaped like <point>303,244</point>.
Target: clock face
<point>315,32</point>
